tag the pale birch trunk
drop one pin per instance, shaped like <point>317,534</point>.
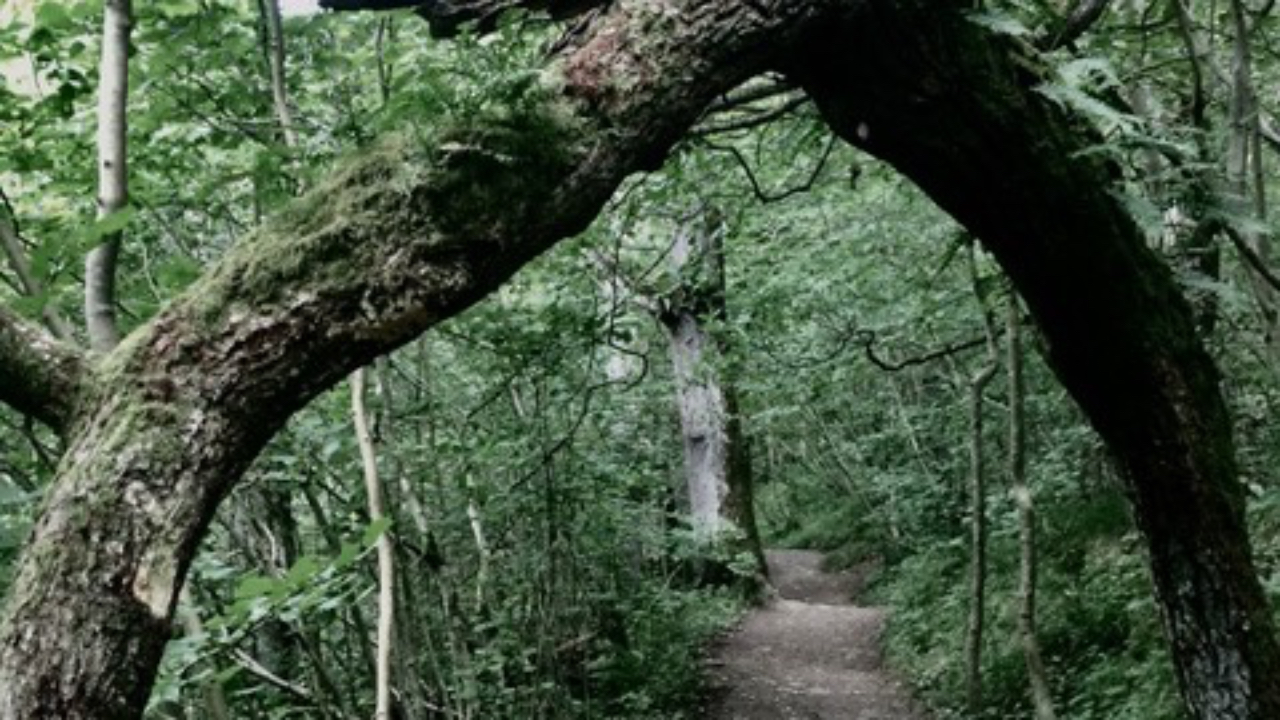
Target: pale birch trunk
<point>386,553</point>
<point>276,64</point>
<point>113,187</point>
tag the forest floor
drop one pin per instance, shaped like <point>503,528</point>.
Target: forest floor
<point>811,654</point>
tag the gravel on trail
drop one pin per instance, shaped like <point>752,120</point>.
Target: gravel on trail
<point>810,654</point>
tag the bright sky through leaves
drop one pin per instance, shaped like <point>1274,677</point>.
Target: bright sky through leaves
<point>299,7</point>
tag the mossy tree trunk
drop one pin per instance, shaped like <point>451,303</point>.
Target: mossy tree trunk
<point>954,107</point>
<point>158,430</point>
<point>410,233</point>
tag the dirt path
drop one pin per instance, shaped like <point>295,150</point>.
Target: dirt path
<point>811,655</point>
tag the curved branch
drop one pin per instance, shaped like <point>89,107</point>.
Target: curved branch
<point>1251,256</point>
<point>868,342</point>
<point>39,375</point>
<point>764,196</point>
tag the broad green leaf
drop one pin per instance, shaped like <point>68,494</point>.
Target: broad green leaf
<point>255,586</point>
<point>113,223</point>
<point>375,530</point>
<point>999,22</point>
<point>53,16</point>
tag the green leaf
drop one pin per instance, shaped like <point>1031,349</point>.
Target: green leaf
<point>303,570</point>
<point>178,8</point>
<point>53,15</point>
<point>999,22</point>
<point>350,551</point>
<point>110,224</point>
<point>375,531</point>
<point>255,586</point>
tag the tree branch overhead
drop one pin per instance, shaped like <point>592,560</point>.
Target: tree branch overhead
<point>39,375</point>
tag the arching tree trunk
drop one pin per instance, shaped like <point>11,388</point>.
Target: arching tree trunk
<point>407,234</point>
<point>955,108</point>
<point>412,232</point>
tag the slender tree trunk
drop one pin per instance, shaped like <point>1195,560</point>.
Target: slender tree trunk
<point>1041,698</point>
<point>1243,162</point>
<point>386,553</point>
<point>113,183</point>
<point>215,700</point>
<point>412,637</point>
<point>476,521</point>
<point>976,625</point>
<point>276,65</point>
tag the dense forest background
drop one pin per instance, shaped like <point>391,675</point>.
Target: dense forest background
<point>530,450</point>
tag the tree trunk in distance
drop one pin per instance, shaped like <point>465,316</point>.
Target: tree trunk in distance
<point>386,553</point>
<point>716,455</point>
<point>113,182</point>
<point>1041,697</point>
<point>976,624</point>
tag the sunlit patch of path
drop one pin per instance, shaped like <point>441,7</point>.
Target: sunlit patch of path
<point>809,655</point>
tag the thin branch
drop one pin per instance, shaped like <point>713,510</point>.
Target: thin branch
<point>15,253</point>
<point>1251,256</point>
<point>867,339</point>
<point>255,668</point>
<point>761,194</point>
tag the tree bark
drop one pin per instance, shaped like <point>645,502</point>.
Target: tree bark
<point>113,183</point>
<point>954,107</point>
<point>407,234</point>
<point>42,376</point>
<point>717,460</point>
